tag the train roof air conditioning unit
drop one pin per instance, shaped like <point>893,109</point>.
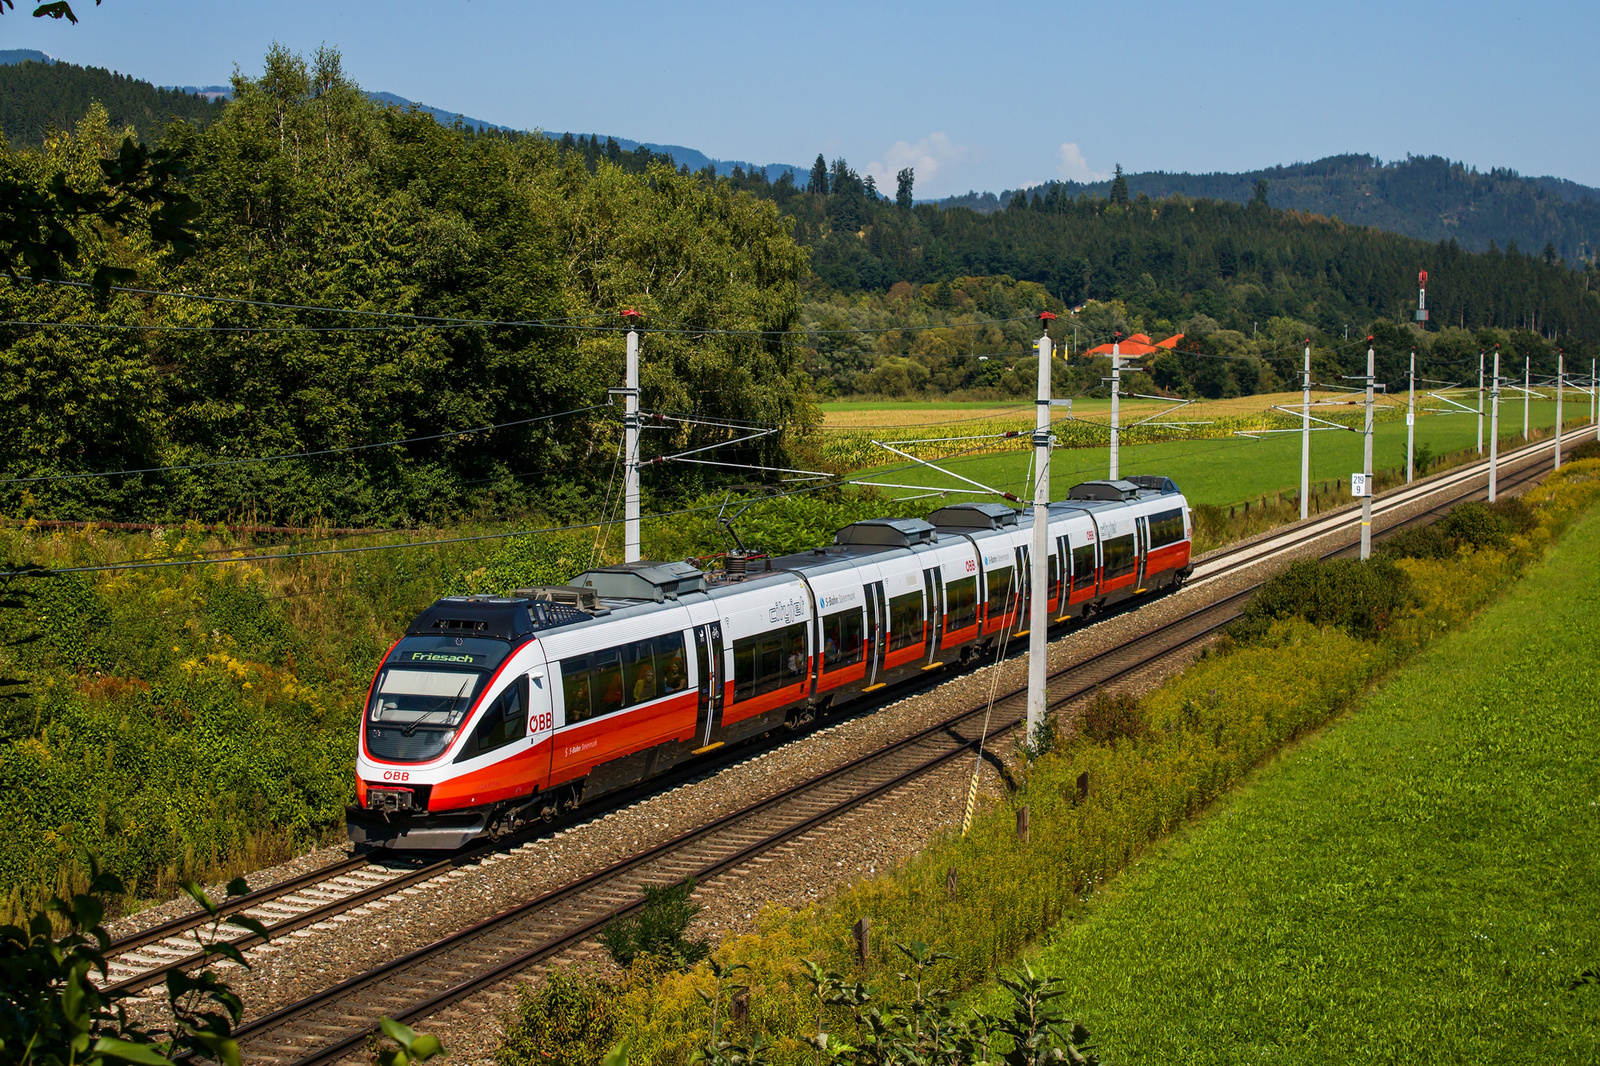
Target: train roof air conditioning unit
<point>974,516</point>
<point>643,581</point>
<point>1154,483</point>
<point>887,533</point>
<point>1116,491</point>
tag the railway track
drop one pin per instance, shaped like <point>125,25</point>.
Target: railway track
<point>1221,563</point>
<point>336,1021</point>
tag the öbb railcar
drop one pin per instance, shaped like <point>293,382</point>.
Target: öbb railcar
<point>494,711</point>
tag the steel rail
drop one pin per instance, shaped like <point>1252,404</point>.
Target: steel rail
<point>1330,522</point>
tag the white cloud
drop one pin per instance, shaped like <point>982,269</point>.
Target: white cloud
<point>1076,168</point>
<point>927,157</point>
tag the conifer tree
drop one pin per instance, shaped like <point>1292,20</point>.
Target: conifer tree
<point>902,195</point>
<point>1119,188</point>
<point>819,177</point>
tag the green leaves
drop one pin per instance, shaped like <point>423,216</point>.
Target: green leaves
<point>413,1047</point>
<point>128,1051</point>
<point>658,930</point>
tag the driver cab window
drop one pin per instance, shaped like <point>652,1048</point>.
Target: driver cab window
<point>506,720</point>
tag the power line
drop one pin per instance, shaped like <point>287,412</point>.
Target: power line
<point>297,455</point>
<point>564,322</point>
<point>442,541</point>
<point>225,329</point>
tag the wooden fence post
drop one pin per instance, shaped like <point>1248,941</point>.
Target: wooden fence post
<point>863,935</point>
<point>1022,824</point>
<point>950,883</point>
<point>1083,786</point>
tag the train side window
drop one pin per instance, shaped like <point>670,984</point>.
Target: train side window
<point>671,663</point>
<point>505,720</point>
<point>577,682</point>
<point>842,635</point>
<point>1055,571</point>
<point>1083,566</point>
<point>1001,594</point>
<point>1120,555</point>
<point>796,664</point>
<point>640,671</point>
<point>961,597</point>
<point>610,691</point>
<point>905,621</point>
<point>769,662</point>
<point>744,668</point>
<point>1166,528</point>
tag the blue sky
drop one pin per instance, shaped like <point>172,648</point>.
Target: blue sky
<point>973,96</point>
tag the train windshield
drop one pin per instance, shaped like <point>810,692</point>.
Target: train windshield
<point>424,691</point>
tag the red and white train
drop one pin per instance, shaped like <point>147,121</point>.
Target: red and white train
<point>493,711</point>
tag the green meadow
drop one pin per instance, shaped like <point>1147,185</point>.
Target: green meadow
<point>1417,884</point>
<point>1228,470</point>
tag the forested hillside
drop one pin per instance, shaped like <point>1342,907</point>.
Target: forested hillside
<point>758,295</point>
<point>1239,280</point>
<point>1420,196</point>
<point>310,194</point>
<point>36,98</point>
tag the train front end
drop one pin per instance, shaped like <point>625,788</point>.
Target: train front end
<point>455,734</point>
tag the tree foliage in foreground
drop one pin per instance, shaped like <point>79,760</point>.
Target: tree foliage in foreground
<point>310,194</point>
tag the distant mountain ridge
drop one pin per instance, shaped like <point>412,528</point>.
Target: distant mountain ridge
<point>9,56</point>
<point>1429,197</point>
<point>39,93</point>
<point>1420,196</point>
<point>692,158</point>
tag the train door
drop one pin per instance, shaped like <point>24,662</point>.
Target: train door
<point>877,621</point>
<point>708,652</point>
<point>933,596</point>
<point>1141,545</point>
<point>1024,597</point>
<point>1062,567</point>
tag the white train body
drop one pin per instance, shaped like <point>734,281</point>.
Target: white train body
<point>495,710</point>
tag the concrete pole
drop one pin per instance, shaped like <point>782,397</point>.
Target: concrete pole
<point>1561,374</point>
<point>1305,440</point>
<point>1494,429</point>
<point>1527,385</point>
<point>1411,419</point>
<point>1366,461</point>
<point>1480,403</point>
<point>1038,612</point>
<point>630,469</point>
<point>1116,396</point>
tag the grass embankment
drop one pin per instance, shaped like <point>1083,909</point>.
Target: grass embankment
<point>1417,886</point>
<point>1150,766</point>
